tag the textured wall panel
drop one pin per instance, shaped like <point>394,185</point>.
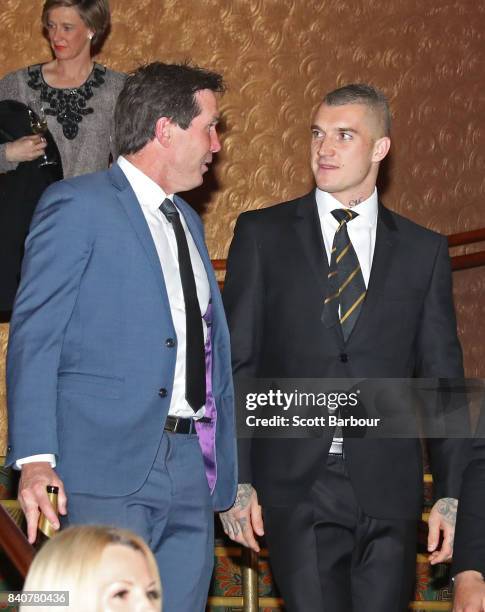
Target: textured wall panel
<point>279,57</point>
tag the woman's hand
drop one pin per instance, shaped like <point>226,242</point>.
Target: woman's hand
<point>26,148</point>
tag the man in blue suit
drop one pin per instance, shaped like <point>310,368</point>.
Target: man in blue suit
<point>119,377</point>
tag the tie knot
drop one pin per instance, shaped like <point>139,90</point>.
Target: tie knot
<point>343,215</point>
<point>168,209</point>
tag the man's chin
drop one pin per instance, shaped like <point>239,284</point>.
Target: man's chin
<point>325,186</point>
<point>193,184</point>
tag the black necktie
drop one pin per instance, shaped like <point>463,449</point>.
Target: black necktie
<point>346,287</point>
<point>195,354</point>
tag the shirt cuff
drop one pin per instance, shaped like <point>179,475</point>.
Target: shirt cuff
<point>47,457</point>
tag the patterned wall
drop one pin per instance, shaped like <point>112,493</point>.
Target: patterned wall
<point>279,57</point>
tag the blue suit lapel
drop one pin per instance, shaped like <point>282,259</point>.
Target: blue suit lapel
<point>132,208</point>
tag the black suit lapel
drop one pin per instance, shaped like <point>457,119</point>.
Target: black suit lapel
<point>383,252</point>
<point>308,229</point>
<point>385,240</point>
<point>306,223</point>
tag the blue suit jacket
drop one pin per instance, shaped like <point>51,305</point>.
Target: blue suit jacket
<point>88,355</point>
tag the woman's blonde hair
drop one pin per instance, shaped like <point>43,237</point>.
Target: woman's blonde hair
<point>70,562</point>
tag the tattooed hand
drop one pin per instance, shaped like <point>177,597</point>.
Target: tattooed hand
<point>442,518</point>
<point>244,519</point>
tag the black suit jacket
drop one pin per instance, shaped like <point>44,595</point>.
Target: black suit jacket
<point>275,285</point>
<point>469,546</point>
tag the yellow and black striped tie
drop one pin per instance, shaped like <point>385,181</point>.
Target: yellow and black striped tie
<point>346,288</point>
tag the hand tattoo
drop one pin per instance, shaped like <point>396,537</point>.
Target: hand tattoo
<point>447,507</point>
<point>232,521</point>
<point>243,496</point>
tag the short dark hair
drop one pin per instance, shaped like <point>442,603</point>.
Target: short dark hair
<point>95,14</point>
<point>159,90</point>
<point>360,93</point>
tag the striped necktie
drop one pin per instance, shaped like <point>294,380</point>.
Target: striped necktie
<point>346,288</point>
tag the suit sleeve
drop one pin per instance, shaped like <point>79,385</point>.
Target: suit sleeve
<point>243,298</point>
<point>56,254</point>
<point>469,546</point>
<point>9,90</point>
<point>439,356</point>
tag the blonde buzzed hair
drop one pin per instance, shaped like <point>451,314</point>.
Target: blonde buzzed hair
<point>362,93</point>
<point>70,562</point>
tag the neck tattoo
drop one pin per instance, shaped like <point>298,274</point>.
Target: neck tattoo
<point>353,203</point>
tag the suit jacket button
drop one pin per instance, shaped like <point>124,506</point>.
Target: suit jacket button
<point>9,448</point>
<point>163,392</point>
<point>344,357</point>
<point>169,342</point>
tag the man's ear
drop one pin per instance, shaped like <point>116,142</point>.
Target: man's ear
<point>381,148</point>
<point>163,131</point>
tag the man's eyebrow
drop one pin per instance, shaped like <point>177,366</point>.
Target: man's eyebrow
<point>348,129</point>
<point>339,129</point>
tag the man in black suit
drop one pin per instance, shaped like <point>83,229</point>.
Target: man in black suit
<point>334,285</point>
<point>468,566</point>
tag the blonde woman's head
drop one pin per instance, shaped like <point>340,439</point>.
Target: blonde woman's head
<point>104,569</point>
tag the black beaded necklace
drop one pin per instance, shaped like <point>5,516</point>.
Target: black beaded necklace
<point>69,106</point>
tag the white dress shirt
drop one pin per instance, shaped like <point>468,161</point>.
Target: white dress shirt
<point>362,233</point>
<point>150,196</point>
<point>362,229</point>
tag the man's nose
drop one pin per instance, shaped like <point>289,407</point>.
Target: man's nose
<point>325,148</point>
<point>215,142</point>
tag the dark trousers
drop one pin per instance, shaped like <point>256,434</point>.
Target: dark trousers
<point>328,556</point>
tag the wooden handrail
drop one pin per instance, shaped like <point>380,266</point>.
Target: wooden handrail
<point>462,238</point>
<point>458,262</point>
<point>219,264</point>
<point>14,543</point>
<point>471,260</point>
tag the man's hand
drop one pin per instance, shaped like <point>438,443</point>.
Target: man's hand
<point>33,495</point>
<point>469,593</point>
<point>244,519</point>
<point>442,518</point>
<point>26,148</point>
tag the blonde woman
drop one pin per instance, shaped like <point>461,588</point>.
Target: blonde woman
<point>73,96</point>
<point>103,569</point>
<point>77,94</point>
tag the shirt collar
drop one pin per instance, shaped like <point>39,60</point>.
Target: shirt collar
<point>149,194</point>
<point>367,210</point>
